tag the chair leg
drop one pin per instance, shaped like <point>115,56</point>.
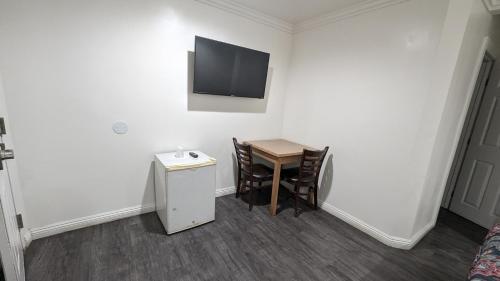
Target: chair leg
<point>238,187</point>
<point>256,194</point>
<point>315,197</point>
<point>310,197</point>
<point>296,205</point>
<point>251,197</point>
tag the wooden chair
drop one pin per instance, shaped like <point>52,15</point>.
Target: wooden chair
<point>306,175</point>
<point>249,173</point>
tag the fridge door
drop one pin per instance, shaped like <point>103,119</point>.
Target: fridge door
<point>190,198</point>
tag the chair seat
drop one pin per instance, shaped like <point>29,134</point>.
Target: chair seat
<point>262,172</point>
<point>292,176</point>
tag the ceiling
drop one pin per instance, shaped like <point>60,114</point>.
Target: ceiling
<point>295,11</point>
<point>493,6</point>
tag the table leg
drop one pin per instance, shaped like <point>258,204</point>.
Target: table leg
<point>310,197</point>
<point>276,187</point>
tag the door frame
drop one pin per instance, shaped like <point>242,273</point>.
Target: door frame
<point>468,126</point>
<point>7,260</point>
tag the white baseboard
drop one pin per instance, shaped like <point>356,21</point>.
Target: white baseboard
<point>60,227</point>
<point>26,238</point>
<point>389,240</point>
<point>420,234</point>
<point>225,191</point>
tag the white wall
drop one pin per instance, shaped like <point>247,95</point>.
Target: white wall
<point>364,82</point>
<point>388,91</point>
<point>379,88</point>
<point>495,35</point>
<point>454,100</point>
<point>72,68</point>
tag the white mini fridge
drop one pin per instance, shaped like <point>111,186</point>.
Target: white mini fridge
<point>185,190</point>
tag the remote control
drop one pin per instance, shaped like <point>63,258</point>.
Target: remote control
<point>192,154</point>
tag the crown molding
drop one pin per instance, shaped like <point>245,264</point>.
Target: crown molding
<point>249,13</point>
<point>260,17</point>
<point>351,11</point>
<point>493,6</point>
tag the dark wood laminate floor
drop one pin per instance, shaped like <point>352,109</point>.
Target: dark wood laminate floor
<point>242,245</point>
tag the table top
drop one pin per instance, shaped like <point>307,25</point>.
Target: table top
<point>279,147</point>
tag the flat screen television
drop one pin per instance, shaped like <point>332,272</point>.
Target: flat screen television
<point>229,70</point>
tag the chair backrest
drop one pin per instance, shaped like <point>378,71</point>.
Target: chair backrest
<point>244,156</point>
<point>310,165</point>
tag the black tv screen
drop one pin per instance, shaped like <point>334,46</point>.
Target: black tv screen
<point>229,70</point>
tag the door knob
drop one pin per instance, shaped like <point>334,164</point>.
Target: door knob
<point>5,154</point>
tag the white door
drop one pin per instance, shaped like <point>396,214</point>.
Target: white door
<point>11,248</point>
<point>477,191</point>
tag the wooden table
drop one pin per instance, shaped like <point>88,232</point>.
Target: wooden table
<point>278,152</point>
